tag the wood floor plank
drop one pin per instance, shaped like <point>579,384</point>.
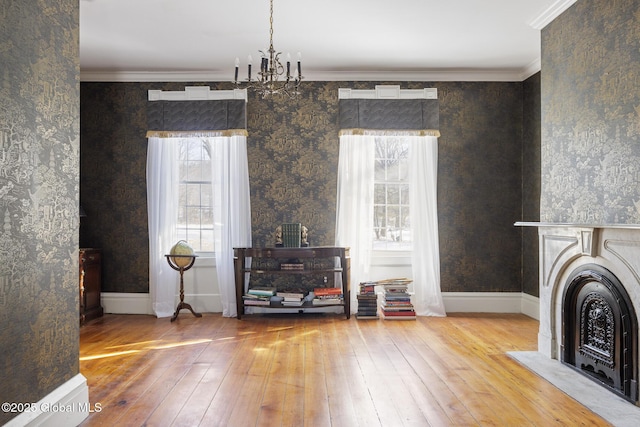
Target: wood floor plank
<point>341,409</point>
<point>317,370</point>
<point>271,407</point>
<point>470,388</point>
<point>357,388</point>
<point>226,399</point>
<point>316,402</point>
<point>466,342</point>
<point>293,396</point>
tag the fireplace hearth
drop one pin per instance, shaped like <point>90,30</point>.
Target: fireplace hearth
<point>600,330</point>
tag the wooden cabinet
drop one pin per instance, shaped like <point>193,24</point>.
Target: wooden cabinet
<point>90,263</point>
<point>306,254</point>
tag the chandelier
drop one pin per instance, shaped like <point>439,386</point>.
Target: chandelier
<point>273,78</point>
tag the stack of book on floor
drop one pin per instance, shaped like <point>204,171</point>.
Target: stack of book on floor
<point>396,301</point>
<point>294,299</point>
<point>327,296</point>
<point>259,296</point>
<point>367,301</point>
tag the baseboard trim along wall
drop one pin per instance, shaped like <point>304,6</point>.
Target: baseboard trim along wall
<point>67,405</point>
<point>454,302</point>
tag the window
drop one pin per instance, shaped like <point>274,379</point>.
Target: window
<point>391,224</point>
<point>195,193</point>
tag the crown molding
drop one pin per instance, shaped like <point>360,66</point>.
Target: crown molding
<point>442,75</point>
<point>531,69</point>
<point>551,13</point>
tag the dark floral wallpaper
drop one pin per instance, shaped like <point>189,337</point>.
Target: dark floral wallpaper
<point>293,158</point>
<point>531,141</point>
<point>591,114</point>
<point>39,169</point>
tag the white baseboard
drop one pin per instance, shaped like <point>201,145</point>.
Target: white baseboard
<point>126,303</point>
<point>531,306</point>
<point>490,302</point>
<point>130,303</point>
<point>454,302</point>
<point>68,405</point>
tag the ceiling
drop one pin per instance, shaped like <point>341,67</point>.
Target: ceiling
<point>401,40</point>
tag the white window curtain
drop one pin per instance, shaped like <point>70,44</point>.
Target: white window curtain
<point>354,208</point>
<point>354,216</point>
<point>232,216</point>
<point>425,257</point>
<point>162,208</point>
<point>233,211</point>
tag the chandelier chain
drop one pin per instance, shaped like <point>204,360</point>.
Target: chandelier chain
<point>271,26</point>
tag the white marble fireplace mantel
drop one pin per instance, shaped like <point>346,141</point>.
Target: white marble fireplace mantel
<point>565,247</point>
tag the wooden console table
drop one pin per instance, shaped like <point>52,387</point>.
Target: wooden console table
<point>303,253</point>
<point>90,263</point>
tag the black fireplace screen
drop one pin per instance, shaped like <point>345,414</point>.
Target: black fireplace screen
<point>600,330</point>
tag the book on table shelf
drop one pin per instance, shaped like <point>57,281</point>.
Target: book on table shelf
<point>292,266</point>
<point>292,303</point>
<point>262,291</point>
<point>291,235</point>
<point>318,292</point>
<point>253,300</point>
<point>286,295</point>
<point>259,296</point>
<point>327,301</point>
<point>294,299</point>
<point>327,296</point>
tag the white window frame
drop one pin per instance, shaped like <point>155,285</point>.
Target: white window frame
<point>200,177</point>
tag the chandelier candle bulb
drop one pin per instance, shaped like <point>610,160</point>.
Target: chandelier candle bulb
<point>288,65</point>
<point>237,67</point>
<point>249,61</point>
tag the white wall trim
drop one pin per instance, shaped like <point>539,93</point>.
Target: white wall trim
<point>531,306</point>
<point>197,93</point>
<point>531,69</point>
<point>441,75</point>
<point>126,303</point>
<point>551,13</point>
<point>455,302</point>
<point>388,92</point>
<point>488,302</point>
<point>67,405</point>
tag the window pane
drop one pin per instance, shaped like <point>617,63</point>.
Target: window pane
<point>391,194</point>
<point>379,194</point>
<point>205,170</point>
<point>206,218</point>
<point>404,194</point>
<point>195,213</point>
<point>206,243</point>
<point>206,195</point>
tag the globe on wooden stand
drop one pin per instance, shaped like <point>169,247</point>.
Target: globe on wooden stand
<point>181,258</point>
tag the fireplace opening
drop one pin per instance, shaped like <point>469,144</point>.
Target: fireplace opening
<point>600,330</point>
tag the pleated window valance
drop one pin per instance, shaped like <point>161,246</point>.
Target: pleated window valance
<point>178,114</point>
<point>363,109</point>
<point>389,114</point>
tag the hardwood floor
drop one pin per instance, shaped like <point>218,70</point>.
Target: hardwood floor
<point>314,370</point>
